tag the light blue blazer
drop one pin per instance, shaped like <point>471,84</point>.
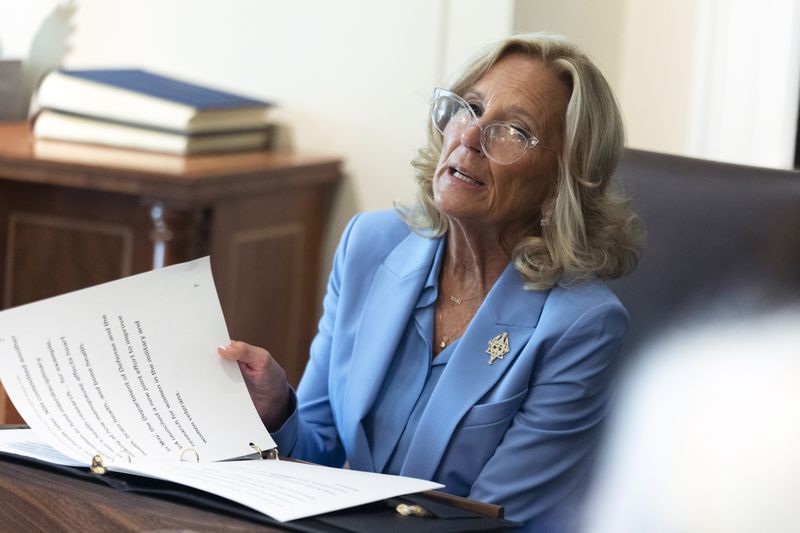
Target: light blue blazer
<point>519,433</point>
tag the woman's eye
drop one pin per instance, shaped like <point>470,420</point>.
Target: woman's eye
<point>476,108</point>
<point>522,129</point>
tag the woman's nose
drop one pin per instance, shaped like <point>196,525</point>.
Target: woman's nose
<point>471,137</point>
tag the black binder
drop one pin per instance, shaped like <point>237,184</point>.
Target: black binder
<point>380,516</point>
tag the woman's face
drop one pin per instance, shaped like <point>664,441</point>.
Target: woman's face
<point>476,191</point>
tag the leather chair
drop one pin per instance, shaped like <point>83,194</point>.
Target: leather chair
<point>722,240</point>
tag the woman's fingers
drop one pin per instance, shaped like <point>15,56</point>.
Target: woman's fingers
<point>265,379</point>
<point>251,356</point>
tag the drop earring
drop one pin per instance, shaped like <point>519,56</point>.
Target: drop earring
<point>545,218</point>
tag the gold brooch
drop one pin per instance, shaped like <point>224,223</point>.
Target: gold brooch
<point>498,347</point>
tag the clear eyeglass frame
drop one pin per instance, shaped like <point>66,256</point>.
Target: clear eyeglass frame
<point>502,142</point>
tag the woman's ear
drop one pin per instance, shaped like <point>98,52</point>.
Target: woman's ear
<point>546,211</point>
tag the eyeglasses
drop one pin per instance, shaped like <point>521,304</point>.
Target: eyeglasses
<point>502,142</point>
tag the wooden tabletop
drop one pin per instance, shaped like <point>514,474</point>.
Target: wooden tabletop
<point>37,500</point>
<point>86,166</point>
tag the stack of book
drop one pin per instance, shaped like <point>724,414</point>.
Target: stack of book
<point>130,108</point>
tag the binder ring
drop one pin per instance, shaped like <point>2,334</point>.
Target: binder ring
<point>268,454</point>
<point>257,449</point>
<point>189,451</point>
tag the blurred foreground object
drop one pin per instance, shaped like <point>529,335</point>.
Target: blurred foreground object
<point>706,436</point>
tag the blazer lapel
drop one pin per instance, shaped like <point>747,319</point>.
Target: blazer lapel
<point>468,375</point>
<point>392,297</point>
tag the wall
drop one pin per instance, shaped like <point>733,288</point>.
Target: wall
<point>715,79</point>
<point>644,48</point>
<point>657,66</point>
<point>596,26</point>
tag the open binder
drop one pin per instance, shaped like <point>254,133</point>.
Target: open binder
<point>114,381</point>
<point>282,489</point>
<point>429,512</point>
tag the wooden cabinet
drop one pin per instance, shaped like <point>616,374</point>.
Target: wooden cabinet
<point>72,216</point>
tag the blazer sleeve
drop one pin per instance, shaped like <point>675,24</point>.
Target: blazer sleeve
<point>310,432</point>
<point>541,466</point>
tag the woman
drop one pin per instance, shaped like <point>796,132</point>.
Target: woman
<point>467,339</point>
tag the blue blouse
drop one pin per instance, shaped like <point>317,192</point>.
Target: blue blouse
<point>409,383</point>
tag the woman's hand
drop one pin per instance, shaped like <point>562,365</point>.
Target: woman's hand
<point>265,379</point>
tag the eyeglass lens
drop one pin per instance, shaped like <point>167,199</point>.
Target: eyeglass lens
<point>499,141</point>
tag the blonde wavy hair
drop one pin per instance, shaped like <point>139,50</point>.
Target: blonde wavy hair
<point>592,229</point>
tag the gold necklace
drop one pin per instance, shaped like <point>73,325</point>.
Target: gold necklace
<point>458,301</point>
<point>446,339</point>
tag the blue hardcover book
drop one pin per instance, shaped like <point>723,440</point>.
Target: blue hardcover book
<point>144,82</point>
<point>145,99</point>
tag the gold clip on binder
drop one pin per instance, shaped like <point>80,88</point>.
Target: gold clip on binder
<point>97,465</point>
<point>268,454</point>
<point>412,510</point>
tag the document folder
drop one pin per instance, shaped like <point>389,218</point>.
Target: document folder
<point>378,516</point>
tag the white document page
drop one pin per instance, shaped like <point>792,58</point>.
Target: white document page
<point>26,443</point>
<point>129,370</point>
<point>286,490</point>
